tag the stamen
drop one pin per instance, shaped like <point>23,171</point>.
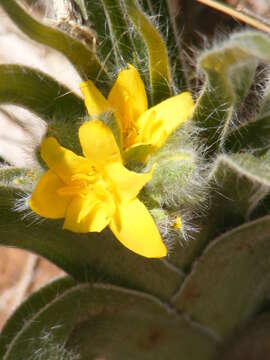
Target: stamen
<point>90,177</point>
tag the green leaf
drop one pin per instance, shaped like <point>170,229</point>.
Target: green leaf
<point>252,343</point>
<point>229,71</point>
<point>116,45</point>
<point>102,320</point>
<point>34,304</point>
<point>82,256</point>
<point>119,31</point>
<point>41,94</point>
<point>159,69</point>
<point>83,58</point>
<point>254,135</point>
<point>255,43</point>
<point>167,23</point>
<point>237,183</point>
<point>98,22</point>
<point>230,281</point>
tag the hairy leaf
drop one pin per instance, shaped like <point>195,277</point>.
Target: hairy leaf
<point>237,183</point>
<point>252,343</point>
<point>229,71</point>
<point>252,135</point>
<point>166,19</point>
<point>230,281</point>
<point>41,94</point>
<point>120,32</point>
<point>159,70</point>
<point>112,322</point>
<point>34,304</point>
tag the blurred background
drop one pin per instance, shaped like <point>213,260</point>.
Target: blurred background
<point>21,273</point>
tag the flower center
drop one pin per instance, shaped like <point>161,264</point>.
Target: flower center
<point>130,129</point>
<point>96,190</point>
<point>80,184</point>
<point>130,134</point>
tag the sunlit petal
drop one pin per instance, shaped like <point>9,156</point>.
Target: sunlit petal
<point>138,231</point>
<point>86,215</point>
<point>98,143</point>
<point>157,123</point>
<point>128,97</point>
<point>127,183</point>
<point>61,160</point>
<point>45,199</point>
<point>95,102</point>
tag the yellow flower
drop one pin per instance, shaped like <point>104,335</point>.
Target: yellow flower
<point>94,191</point>
<point>139,126</point>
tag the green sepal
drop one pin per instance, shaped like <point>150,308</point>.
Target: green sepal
<point>137,154</point>
<point>172,183</point>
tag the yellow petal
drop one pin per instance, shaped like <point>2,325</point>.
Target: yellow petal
<point>138,231</point>
<point>127,183</point>
<point>62,161</point>
<point>45,200</point>
<point>157,123</point>
<point>128,97</point>
<point>95,102</point>
<point>98,143</point>
<point>86,215</point>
